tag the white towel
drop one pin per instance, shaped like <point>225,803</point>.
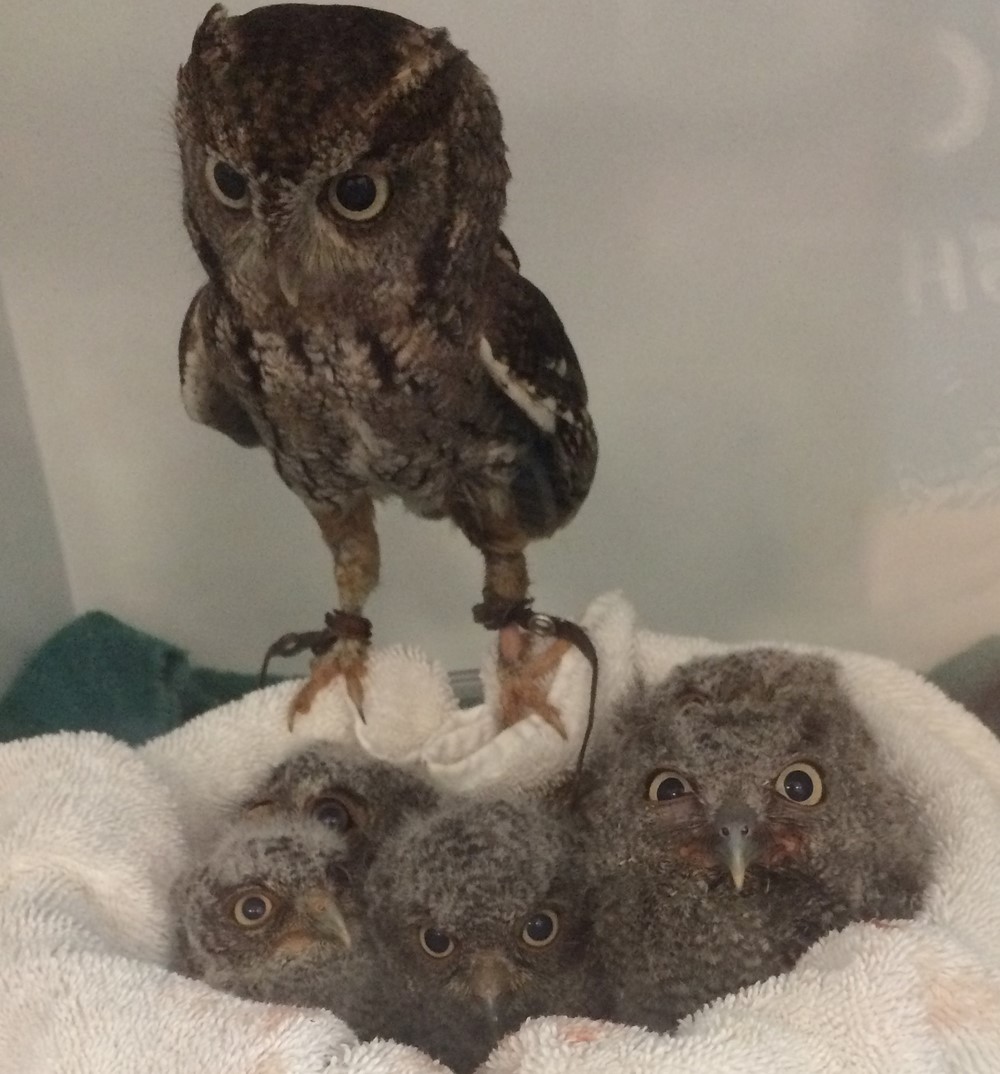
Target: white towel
<point>92,835</point>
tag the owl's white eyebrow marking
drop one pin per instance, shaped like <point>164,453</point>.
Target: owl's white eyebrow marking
<point>541,411</point>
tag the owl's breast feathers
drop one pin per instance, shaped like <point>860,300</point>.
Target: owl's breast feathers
<point>403,410</point>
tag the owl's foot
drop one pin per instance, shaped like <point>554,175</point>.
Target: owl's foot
<point>340,648</point>
<point>346,659</point>
<point>525,678</point>
<point>526,675</point>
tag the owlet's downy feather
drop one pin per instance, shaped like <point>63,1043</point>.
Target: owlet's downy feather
<point>362,799</point>
<point>739,812</point>
<point>275,913</point>
<point>364,318</point>
<point>482,920</point>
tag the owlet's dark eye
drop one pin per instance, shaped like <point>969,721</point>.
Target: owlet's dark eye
<point>800,783</point>
<point>227,184</point>
<point>666,786</point>
<point>252,910</point>
<point>333,813</point>
<point>541,929</point>
<point>436,943</point>
<point>358,195</point>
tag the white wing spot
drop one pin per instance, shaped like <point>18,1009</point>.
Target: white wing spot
<point>541,411</point>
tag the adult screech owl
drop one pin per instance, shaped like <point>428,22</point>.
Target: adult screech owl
<point>741,811</point>
<point>365,319</point>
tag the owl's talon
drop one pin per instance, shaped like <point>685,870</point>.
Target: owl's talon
<point>524,681</point>
<point>346,658</point>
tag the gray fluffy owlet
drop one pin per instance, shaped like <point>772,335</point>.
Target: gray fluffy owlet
<point>365,319</point>
<point>273,913</point>
<point>481,916</point>
<point>349,792</point>
<point>742,811</point>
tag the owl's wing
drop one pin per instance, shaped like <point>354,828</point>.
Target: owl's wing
<point>205,396</point>
<point>529,357</point>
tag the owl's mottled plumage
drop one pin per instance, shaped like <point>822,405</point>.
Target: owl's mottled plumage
<point>497,882</point>
<point>365,319</point>
<point>274,913</point>
<point>353,794</point>
<point>740,811</point>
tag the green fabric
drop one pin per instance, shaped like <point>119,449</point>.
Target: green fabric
<point>972,678</point>
<point>99,674</point>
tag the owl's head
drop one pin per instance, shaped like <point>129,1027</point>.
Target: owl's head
<point>336,155</point>
<point>755,767</point>
<point>352,794</point>
<point>272,898</point>
<point>479,903</point>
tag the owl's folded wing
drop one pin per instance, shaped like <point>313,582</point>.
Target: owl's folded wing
<point>204,337</point>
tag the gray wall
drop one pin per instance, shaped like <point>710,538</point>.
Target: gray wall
<point>34,593</point>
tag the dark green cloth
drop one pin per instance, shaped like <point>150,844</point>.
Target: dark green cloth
<point>99,674</point>
<point>972,678</point>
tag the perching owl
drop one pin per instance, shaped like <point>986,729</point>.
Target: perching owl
<point>351,793</point>
<point>741,811</point>
<point>274,913</point>
<point>480,913</point>
<point>365,319</point>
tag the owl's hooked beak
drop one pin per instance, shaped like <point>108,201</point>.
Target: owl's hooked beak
<point>491,976</point>
<point>290,281</point>
<point>736,825</point>
<point>321,909</point>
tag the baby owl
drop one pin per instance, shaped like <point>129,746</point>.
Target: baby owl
<point>347,791</point>
<point>275,914</point>
<point>365,318</point>
<point>480,914</point>
<point>741,811</point>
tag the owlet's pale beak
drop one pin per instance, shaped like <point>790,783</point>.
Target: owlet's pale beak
<point>322,910</point>
<point>736,826</point>
<point>491,976</point>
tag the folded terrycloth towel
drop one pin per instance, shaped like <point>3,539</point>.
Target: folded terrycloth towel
<point>99,674</point>
<point>93,833</point>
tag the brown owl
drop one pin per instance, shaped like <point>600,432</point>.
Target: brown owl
<point>365,319</point>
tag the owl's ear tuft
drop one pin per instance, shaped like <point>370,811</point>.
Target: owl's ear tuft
<point>214,42</point>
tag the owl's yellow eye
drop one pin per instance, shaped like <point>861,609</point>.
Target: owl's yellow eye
<point>227,184</point>
<point>436,943</point>
<point>252,910</point>
<point>666,786</point>
<point>541,929</point>
<point>800,783</point>
<point>358,195</point>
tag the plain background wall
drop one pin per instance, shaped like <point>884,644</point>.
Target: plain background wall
<point>35,592</point>
<point>773,233</point>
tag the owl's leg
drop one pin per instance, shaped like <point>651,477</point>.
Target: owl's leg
<point>525,663</point>
<point>350,535</point>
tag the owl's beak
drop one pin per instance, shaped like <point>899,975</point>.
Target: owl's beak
<point>491,976</point>
<point>322,910</point>
<point>736,826</point>
<point>290,282</point>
